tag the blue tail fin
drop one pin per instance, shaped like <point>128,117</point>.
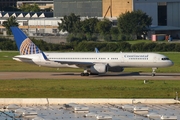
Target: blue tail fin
<point>24,44</point>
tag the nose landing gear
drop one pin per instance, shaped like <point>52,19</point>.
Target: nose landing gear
<point>154,71</point>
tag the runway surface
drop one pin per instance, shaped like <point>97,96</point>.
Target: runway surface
<point>56,75</point>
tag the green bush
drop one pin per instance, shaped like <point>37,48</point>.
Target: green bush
<point>160,47</point>
<point>124,46</point>
<point>114,33</point>
<point>91,37</point>
<point>111,47</point>
<point>71,38</point>
<point>80,36</point>
<point>177,47</point>
<point>90,46</point>
<point>170,47</point>
<point>149,47</point>
<point>107,37</point>
<point>7,44</point>
<point>122,37</point>
<point>138,47</point>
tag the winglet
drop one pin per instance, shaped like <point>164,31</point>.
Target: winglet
<point>96,50</point>
<point>24,44</point>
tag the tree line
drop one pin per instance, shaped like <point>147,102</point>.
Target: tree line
<point>129,26</point>
<point>84,46</point>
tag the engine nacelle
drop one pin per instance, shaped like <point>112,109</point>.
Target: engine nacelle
<point>98,69</point>
<point>115,69</point>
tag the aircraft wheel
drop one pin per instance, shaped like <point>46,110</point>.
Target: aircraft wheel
<point>153,71</point>
<point>82,74</point>
<point>94,74</point>
<point>86,74</point>
<point>153,74</point>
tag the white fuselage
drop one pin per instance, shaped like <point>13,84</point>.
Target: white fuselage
<point>124,60</point>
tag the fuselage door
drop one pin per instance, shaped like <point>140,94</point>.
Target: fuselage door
<point>155,59</point>
<point>122,58</point>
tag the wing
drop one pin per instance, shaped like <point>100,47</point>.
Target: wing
<point>77,63</point>
<point>80,64</point>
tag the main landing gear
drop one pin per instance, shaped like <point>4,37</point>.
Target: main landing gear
<point>85,73</point>
<point>153,71</point>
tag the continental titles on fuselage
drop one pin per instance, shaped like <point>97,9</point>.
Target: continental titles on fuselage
<point>136,56</point>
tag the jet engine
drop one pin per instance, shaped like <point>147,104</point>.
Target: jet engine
<point>98,69</point>
<point>115,69</point>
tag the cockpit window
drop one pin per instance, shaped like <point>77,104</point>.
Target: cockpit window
<point>165,58</point>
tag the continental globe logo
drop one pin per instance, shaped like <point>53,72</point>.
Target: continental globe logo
<point>28,47</point>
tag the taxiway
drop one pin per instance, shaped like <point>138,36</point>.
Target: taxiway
<point>56,75</point>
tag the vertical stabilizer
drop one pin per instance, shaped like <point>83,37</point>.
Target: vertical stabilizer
<point>24,44</point>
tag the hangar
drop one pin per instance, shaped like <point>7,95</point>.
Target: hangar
<point>165,15</point>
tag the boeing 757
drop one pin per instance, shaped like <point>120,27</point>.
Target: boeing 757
<point>92,63</point>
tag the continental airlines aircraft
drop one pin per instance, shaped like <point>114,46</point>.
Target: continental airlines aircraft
<point>92,63</point>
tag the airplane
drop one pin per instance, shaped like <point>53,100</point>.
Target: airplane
<point>92,63</point>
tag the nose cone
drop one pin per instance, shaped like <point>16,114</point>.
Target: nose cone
<point>170,63</point>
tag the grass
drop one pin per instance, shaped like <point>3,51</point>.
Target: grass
<point>30,88</point>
